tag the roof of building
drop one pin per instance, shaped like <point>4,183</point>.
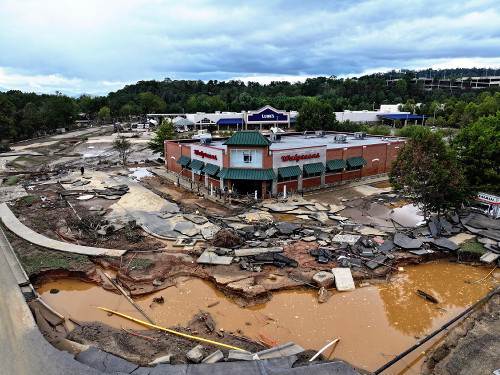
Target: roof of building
<point>314,168</point>
<point>356,161</point>
<point>196,165</point>
<point>182,122</point>
<point>291,171</point>
<point>211,169</point>
<point>336,164</point>
<point>184,160</point>
<point>247,138</point>
<point>247,174</point>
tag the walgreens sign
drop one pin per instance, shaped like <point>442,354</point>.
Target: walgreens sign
<point>297,157</point>
<point>205,155</point>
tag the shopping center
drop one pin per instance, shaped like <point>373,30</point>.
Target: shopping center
<point>251,163</point>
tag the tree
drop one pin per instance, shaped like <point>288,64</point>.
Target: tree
<point>478,149</point>
<point>31,122</point>
<point>59,112</point>
<point>164,133</point>
<point>426,170</point>
<point>7,111</point>
<point>150,103</point>
<point>123,147</point>
<point>314,115</point>
<point>104,114</point>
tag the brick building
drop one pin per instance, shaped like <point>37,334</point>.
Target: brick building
<point>249,161</point>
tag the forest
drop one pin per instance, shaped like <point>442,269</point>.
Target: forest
<point>27,115</point>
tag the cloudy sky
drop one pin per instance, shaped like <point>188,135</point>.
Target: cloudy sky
<point>97,46</point>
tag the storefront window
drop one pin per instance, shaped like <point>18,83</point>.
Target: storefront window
<point>334,171</point>
<point>309,175</point>
<point>286,179</point>
<point>356,168</point>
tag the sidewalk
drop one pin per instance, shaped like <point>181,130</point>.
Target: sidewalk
<point>29,235</point>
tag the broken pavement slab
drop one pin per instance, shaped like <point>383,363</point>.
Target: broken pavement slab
<point>256,251</point>
<point>489,257</point>
<point>346,238</point>
<point>406,242</point>
<point>284,350</point>
<point>209,257</point>
<point>343,279</point>
<point>446,244</point>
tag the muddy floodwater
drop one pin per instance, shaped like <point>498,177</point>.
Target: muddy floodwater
<point>375,323</point>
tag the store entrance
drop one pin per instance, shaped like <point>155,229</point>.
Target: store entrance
<point>247,187</point>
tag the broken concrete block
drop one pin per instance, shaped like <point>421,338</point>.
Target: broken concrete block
<point>256,251</point>
<point>406,242</point>
<point>96,208</point>
<point>196,354</point>
<point>347,238</point>
<point>208,257</point>
<point>285,227</point>
<point>324,279</point>
<point>319,216</point>
<point>239,355</point>
<point>445,244</point>
<point>162,359</point>
<point>489,257</point>
<point>343,279</point>
<point>386,246</point>
<point>216,356</point>
<point>285,350</point>
<point>376,262</point>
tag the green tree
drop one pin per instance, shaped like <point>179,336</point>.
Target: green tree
<point>104,114</point>
<point>164,133</point>
<point>314,115</point>
<point>150,103</point>
<point>59,112</point>
<point>7,112</point>
<point>31,122</point>
<point>124,148</point>
<point>478,149</point>
<point>426,170</point>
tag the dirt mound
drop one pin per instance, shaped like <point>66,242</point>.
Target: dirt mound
<point>225,238</point>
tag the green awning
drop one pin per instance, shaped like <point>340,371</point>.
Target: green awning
<point>184,160</point>
<point>333,165</point>
<point>247,174</point>
<point>292,171</point>
<point>314,168</point>
<point>356,161</point>
<point>196,165</point>
<point>211,169</point>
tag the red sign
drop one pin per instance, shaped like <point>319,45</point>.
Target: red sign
<point>299,157</point>
<point>205,155</point>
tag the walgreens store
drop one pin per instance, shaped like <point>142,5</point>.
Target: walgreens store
<point>249,161</point>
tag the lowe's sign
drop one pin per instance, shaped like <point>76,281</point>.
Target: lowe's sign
<point>268,115</point>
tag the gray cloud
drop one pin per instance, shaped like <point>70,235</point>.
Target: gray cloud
<point>91,42</point>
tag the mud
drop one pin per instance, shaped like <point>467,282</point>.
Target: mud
<point>375,322</point>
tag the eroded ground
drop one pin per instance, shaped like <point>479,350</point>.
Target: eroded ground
<point>64,205</point>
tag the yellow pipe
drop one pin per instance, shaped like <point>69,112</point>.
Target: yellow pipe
<point>167,330</point>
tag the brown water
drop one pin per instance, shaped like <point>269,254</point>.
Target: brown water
<point>376,323</point>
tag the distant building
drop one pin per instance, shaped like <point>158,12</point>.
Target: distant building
<point>262,118</point>
<point>387,114</point>
<point>249,161</point>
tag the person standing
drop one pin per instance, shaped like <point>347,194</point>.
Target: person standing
<point>82,170</point>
